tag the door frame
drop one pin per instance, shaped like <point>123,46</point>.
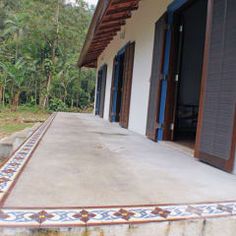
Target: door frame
<point>98,91</point>
<point>152,134</point>
<point>164,131</point>
<point>128,65</point>
<point>100,83</point>
<point>172,8</point>
<point>103,90</point>
<point>115,81</point>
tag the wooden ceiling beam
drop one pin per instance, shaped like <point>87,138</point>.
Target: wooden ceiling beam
<point>104,36</point>
<point>120,4</point>
<point>101,44</point>
<point>107,26</point>
<point>104,42</point>
<point>115,2</point>
<point>116,11</point>
<point>94,54</point>
<point>109,30</point>
<point>101,40</point>
<point>123,7</point>
<point>111,23</point>
<point>119,16</point>
<point>96,48</point>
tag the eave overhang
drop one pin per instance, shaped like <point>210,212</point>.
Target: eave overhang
<point>109,17</point>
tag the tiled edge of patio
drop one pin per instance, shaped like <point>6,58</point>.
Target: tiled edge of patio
<point>94,216</point>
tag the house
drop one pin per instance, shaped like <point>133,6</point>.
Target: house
<point>167,69</point>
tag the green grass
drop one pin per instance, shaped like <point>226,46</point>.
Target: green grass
<point>12,128</point>
<point>25,116</point>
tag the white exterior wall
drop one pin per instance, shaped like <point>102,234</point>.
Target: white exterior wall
<point>140,28</point>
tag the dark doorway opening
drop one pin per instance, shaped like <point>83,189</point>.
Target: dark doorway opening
<point>117,87</point>
<point>121,85</point>
<point>101,90</point>
<point>120,70</point>
<point>189,38</point>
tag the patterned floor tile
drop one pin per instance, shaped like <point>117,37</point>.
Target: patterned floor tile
<point>117,215</point>
<point>13,167</point>
<point>63,217</point>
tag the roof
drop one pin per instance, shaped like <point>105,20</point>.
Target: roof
<point>108,18</point>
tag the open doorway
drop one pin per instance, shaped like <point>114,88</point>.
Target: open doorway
<point>121,85</point>
<point>120,79</point>
<point>189,35</point>
<point>101,91</point>
<point>117,87</point>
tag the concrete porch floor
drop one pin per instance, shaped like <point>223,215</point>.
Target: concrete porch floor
<point>86,161</point>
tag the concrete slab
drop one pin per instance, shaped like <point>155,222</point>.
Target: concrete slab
<point>9,144</point>
<point>86,161</point>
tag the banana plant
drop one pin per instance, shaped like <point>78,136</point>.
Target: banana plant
<point>15,73</point>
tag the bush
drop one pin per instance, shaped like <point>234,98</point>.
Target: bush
<point>84,99</point>
<point>57,104</point>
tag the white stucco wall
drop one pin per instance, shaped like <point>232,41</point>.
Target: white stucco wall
<point>140,28</point>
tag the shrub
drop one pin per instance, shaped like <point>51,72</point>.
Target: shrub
<point>57,104</point>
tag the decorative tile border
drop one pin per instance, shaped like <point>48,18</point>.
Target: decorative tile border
<point>75,217</point>
<point>90,216</point>
<point>11,170</point>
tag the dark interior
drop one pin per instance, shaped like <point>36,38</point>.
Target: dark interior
<point>120,85</point>
<point>191,26</point>
<point>99,86</point>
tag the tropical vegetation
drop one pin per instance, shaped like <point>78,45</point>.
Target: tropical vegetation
<point>40,42</point>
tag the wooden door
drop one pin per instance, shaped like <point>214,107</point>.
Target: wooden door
<point>216,125</point>
<point>127,84</point>
<point>155,80</point>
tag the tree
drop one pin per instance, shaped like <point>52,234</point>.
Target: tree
<point>16,72</point>
<point>40,42</point>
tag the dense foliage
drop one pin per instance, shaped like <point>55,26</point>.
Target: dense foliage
<point>40,41</point>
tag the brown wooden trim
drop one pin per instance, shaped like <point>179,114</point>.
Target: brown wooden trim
<point>106,11</point>
<point>204,77</point>
<point>152,135</point>
<point>171,85</point>
<point>230,163</point>
<point>226,165</point>
<point>212,160</point>
<point>127,84</point>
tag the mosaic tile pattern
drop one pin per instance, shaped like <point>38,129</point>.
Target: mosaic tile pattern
<point>105,216</point>
<point>13,167</point>
<point>63,217</point>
